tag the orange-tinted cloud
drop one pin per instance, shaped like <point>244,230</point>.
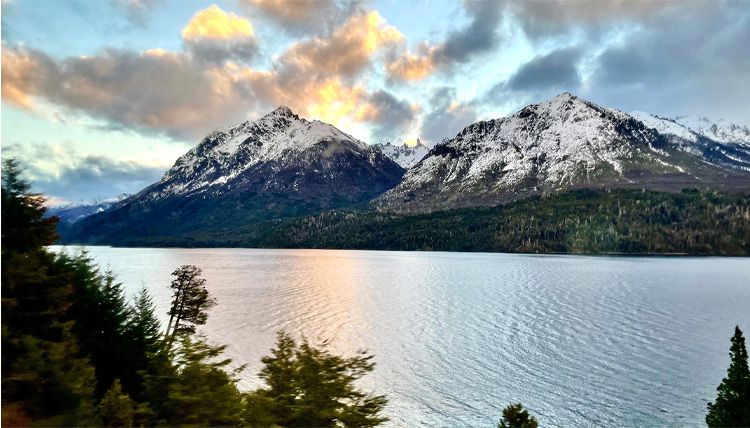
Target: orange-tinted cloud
<point>410,67</point>
<point>214,23</point>
<point>188,94</point>
<point>347,50</point>
<point>156,91</point>
<point>17,79</point>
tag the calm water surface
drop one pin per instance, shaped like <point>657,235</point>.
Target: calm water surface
<point>579,340</point>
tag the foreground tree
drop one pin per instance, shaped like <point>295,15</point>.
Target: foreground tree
<point>190,300</point>
<point>45,380</point>
<point>308,386</point>
<point>732,405</point>
<point>514,416</point>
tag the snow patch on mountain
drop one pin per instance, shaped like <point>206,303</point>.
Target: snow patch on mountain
<point>691,128</point>
<point>666,126</point>
<point>720,131</point>
<point>404,155</point>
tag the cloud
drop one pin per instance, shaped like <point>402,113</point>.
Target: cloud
<point>17,77</point>
<point>187,94</point>
<point>153,92</point>
<point>345,51</point>
<point>214,23</point>
<point>551,17</point>
<point>479,36</point>
<point>214,36</point>
<point>59,172</point>
<point>543,77</point>
<point>408,67</point>
<point>687,64</point>
<point>305,16</point>
<point>447,116</point>
<point>314,77</point>
<point>392,117</point>
<point>555,70</point>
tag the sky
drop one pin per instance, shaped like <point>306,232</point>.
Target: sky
<point>101,97</point>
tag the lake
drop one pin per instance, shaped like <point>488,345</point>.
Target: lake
<point>579,340</point>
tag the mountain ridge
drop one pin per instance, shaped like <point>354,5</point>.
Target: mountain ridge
<point>563,143</point>
<point>281,166</point>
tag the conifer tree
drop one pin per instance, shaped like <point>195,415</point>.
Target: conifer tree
<point>190,300</point>
<point>732,405</point>
<point>309,386</point>
<point>514,416</point>
<point>142,333</point>
<point>45,381</point>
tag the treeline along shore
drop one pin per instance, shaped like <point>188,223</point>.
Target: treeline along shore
<point>584,221</point>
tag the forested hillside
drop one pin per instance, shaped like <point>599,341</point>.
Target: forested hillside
<point>581,221</point>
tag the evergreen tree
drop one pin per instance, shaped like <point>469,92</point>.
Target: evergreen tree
<point>309,386</point>
<point>117,409</point>
<point>514,416</point>
<point>142,333</point>
<point>190,300</point>
<point>732,405</point>
<point>45,381</point>
<point>100,314</point>
<point>24,228</point>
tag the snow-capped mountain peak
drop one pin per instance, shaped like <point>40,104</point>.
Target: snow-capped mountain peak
<point>565,142</point>
<point>225,154</point>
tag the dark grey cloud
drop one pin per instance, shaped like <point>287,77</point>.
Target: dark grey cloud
<point>390,116</point>
<point>446,117</point>
<point>554,17</point>
<point>481,35</point>
<point>543,77</point>
<point>555,70</point>
<point>688,64</point>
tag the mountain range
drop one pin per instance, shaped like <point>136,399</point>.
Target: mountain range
<point>283,166</point>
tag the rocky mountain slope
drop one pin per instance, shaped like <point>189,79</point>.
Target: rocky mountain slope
<point>560,144</point>
<point>277,166</point>
<point>404,155</point>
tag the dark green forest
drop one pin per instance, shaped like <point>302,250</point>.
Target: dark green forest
<point>579,221</point>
